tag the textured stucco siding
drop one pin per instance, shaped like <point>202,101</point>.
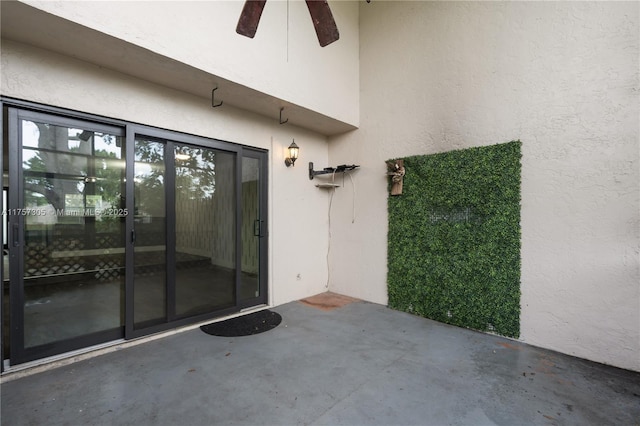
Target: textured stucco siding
<point>52,79</point>
<point>281,60</point>
<point>561,77</point>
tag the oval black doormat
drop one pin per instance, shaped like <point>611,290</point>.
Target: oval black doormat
<point>245,325</point>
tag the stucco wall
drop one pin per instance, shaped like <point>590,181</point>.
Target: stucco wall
<point>284,59</point>
<point>561,77</point>
<point>41,76</point>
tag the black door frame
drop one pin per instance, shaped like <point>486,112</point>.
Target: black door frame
<point>16,224</point>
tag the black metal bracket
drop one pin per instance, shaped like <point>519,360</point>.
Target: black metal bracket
<point>282,122</point>
<point>339,169</point>
<point>213,97</point>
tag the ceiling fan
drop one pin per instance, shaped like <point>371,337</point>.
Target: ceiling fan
<point>321,15</point>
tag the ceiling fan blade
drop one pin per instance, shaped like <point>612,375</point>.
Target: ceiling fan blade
<point>250,17</point>
<point>323,21</point>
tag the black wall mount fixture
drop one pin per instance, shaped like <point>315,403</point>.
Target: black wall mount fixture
<point>338,169</point>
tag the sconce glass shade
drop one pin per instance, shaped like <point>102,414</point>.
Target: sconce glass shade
<point>293,154</point>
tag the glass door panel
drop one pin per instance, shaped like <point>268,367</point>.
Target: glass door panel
<point>205,235</point>
<point>253,227</point>
<point>150,250</point>
<point>70,210</point>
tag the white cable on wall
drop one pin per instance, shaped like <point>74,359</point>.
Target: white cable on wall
<point>353,205</point>
<point>333,190</point>
<point>353,217</point>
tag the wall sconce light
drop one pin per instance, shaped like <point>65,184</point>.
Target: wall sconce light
<point>293,154</point>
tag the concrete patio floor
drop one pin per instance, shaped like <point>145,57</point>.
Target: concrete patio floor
<point>355,364</point>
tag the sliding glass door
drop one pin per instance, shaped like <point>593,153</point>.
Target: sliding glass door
<point>120,231</point>
<point>66,221</point>
<point>197,230</point>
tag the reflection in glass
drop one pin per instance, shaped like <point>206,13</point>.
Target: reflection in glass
<point>150,270</point>
<point>74,218</point>
<point>205,229</point>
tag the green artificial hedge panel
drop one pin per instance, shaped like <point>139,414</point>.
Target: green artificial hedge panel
<point>454,238</point>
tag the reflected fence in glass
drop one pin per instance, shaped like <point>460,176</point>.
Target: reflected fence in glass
<point>73,251</point>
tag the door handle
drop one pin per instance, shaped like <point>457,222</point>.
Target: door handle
<point>258,228</point>
<point>133,236</point>
<point>15,231</point>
